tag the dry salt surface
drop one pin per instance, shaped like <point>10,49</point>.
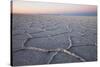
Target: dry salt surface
<point>51,39</point>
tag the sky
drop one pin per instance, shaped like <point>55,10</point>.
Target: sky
<point>33,7</point>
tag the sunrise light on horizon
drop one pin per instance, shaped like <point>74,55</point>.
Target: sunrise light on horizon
<point>32,7</point>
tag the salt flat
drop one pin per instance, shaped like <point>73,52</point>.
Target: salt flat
<point>77,34</point>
